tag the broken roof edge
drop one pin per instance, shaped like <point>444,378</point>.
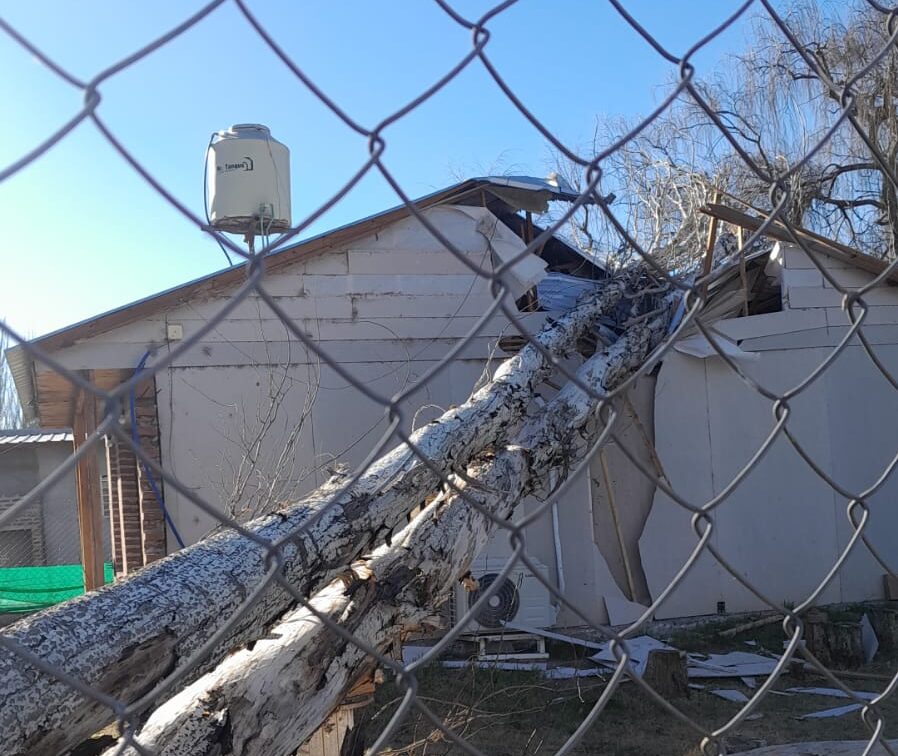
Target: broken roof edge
<point>814,242</point>
<point>21,436</point>
<point>21,363</point>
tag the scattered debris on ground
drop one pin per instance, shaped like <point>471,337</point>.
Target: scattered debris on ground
<point>722,672</point>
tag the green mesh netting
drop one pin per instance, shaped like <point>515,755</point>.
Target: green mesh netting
<point>27,589</point>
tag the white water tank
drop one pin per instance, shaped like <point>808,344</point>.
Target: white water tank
<point>248,181</point>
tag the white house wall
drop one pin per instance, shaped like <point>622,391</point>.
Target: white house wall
<point>782,527</point>
<point>387,308</point>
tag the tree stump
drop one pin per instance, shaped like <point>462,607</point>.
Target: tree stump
<point>665,671</point>
<point>885,624</point>
<point>835,644</point>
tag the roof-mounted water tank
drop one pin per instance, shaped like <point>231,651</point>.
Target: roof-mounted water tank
<point>248,181</point>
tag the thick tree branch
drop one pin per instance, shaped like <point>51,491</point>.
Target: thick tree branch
<point>269,699</point>
<point>151,623</point>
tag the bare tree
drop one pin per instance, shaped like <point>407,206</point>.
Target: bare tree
<point>793,96</point>
<point>10,410</point>
<point>777,102</point>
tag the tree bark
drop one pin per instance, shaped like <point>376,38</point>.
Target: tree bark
<point>126,638</point>
<point>267,700</point>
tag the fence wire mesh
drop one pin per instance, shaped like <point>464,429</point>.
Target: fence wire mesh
<point>354,532</point>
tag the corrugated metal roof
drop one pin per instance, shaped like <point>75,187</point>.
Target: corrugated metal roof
<point>16,436</point>
<point>554,185</point>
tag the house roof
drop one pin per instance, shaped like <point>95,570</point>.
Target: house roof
<point>509,190</point>
<point>19,436</point>
<point>812,241</point>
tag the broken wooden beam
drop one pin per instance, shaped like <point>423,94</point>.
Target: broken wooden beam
<point>813,242</point>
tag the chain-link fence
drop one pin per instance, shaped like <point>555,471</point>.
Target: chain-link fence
<point>577,497</point>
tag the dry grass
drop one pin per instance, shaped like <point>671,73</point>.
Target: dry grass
<point>520,713</point>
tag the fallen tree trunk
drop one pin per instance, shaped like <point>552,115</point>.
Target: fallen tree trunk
<point>267,700</point>
<point>149,625</point>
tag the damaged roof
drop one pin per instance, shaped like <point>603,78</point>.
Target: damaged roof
<point>501,194</point>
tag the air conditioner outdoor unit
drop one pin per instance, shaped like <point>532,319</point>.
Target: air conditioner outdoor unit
<point>521,598</point>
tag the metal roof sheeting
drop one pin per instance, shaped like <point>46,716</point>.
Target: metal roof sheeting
<point>17,436</point>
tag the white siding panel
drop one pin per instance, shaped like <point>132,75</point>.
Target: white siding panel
<point>247,342</point>
<point>374,262</point>
<point>223,353</point>
<point>850,277</point>
<point>435,305</point>
<point>864,438</point>
<point>348,424</point>
<point>768,324</point>
<point>253,308</point>
<point>208,416</point>
<point>90,355</point>
<point>346,307</point>
<point>777,529</point>
<point>348,329</point>
<point>804,296</point>
<point>882,295</point>
<point>795,257</point>
<point>410,235</point>
<point>877,315</point>
<point>811,339</point>
<point>683,444</point>
<point>330,286</point>
<point>829,297</point>
<point>822,337</point>
<point>802,277</point>
<point>334,262</point>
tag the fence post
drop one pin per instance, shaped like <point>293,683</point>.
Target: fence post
<point>87,491</point>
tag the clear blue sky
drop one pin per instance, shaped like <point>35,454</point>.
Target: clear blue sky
<point>82,233</point>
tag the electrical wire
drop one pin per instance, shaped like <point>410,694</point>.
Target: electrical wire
<point>135,439</point>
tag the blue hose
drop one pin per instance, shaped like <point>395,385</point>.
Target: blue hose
<point>135,439</point>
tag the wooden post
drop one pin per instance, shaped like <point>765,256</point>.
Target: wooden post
<point>612,505</point>
<point>743,274</point>
<point>87,489</point>
<point>665,671</point>
<point>708,261</point>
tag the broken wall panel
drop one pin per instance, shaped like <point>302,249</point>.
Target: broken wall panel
<point>683,445</point>
<point>631,491</point>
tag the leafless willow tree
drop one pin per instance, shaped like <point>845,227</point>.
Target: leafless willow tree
<point>10,411</point>
<point>777,101</point>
